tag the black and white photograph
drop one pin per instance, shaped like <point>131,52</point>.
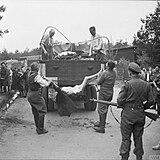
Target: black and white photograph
<point>80,79</point>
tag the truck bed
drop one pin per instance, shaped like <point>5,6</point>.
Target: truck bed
<point>71,72</point>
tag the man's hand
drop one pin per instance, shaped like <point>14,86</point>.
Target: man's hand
<point>158,89</point>
<point>45,52</point>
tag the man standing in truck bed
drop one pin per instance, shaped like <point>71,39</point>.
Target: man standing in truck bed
<point>96,45</point>
<point>47,46</point>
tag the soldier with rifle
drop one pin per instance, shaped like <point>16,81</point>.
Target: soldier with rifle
<point>135,96</point>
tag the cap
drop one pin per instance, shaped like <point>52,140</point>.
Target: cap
<point>134,67</point>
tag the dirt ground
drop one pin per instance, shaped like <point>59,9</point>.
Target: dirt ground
<point>68,137</point>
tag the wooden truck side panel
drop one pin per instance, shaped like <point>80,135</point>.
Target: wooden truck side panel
<point>71,72</point>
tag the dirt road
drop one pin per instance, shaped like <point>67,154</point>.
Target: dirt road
<point>68,137</point>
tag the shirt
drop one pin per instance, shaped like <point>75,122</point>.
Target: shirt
<point>96,42</point>
<point>41,81</point>
<point>106,82</point>
<point>127,95</point>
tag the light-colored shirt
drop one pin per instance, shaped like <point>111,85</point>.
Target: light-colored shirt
<point>47,41</point>
<point>96,43</point>
<point>41,81</point>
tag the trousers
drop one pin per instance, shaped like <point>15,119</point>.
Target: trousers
<point>132,122</point>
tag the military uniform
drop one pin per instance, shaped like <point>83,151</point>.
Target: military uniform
<point>131,97</point>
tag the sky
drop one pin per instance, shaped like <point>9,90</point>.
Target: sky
<point>27,20</point>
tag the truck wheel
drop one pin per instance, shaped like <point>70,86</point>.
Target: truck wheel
<point>91,93</point>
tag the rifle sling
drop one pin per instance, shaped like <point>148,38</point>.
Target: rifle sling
<point>138,97</point>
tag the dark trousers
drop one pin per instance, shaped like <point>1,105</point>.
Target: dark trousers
<point>48,56</point>
<point>132,123</point>
<point>38,118</point>
<point>158,103</point>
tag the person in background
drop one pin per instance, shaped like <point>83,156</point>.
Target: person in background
<point>143,74</point>
<point>135,96</point>
<point>35,97</point>
<point>156,71</point>
<point>9,74</point>
<point>27,73</point>
<point>3,76</point>
<point>47,46</point>
<point>156,84</point>
<point>106,82</point>
<point>96,45</point>
<point>23,80</point>
<point>20,85</point>
<point>15,84</point>
<point>1,79</point>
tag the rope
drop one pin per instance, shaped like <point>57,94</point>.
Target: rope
<point>95,39</point>
<point>119,121</point>
<point>114,115</point>
<point>59,32</point>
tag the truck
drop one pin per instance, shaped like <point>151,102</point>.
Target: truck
<point>69,71</point>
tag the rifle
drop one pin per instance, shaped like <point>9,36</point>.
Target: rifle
<point>150,115</point>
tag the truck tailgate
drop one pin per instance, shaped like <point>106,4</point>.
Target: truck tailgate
<point>71,72</point>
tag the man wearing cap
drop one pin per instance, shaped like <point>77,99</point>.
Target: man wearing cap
<point>47,46</point>
<point>131,99</point>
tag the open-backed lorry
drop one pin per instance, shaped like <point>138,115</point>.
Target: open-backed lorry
<point>70,72</point>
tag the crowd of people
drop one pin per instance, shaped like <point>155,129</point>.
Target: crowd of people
<point>14,79</point>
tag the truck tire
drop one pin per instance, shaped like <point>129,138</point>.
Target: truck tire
<point>91,93</point>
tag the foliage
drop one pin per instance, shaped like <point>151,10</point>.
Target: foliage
<point>148,38</point>
<point>4,55</point>
<point>112,50</point>
<point>121,44</point>
<point>124,63</point>
<point>2,9</point>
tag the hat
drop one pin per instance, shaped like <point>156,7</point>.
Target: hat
<point>134,67</point>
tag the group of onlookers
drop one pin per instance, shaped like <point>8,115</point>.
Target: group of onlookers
<point>14,79</point>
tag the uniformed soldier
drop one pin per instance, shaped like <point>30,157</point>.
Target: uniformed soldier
<point>131,99</point>
<point>35,98</point>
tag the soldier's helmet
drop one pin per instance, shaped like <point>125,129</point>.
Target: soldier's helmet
<point>134,67</point>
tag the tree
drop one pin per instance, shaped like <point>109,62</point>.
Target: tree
<point>124,63</point>
<point>2,9</point>
<point>121,44</point>
<point>148,38</point>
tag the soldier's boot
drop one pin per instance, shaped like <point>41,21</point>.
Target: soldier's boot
<point>138,157</point>
<point>101,128</point>
<point>40,129</point>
